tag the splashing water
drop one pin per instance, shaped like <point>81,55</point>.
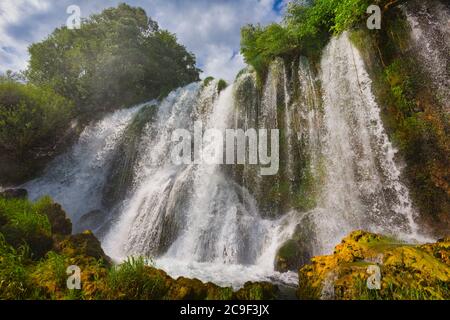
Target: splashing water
<point>76,178</point>
<point>430,25</point>
<point>196,219</point>
<point>362,188</point>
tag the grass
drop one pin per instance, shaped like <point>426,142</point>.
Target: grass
<point>130,280</point>
<point>26,216</point>
<point>13,271</point>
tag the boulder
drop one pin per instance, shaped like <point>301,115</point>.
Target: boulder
<point>84,244</point>
<point>14,193</point>
<point>257,291</point>
<point>298,250</point>
<point>59,221</point>
<point>406,271</point>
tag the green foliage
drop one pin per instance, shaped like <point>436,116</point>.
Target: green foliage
<point>260,45</point>
<point>221,85</point>
<point>415,119</point>
<point>207,81</point>
<point>26,216</point>
<point>13,271</point>
<point>49,276</point>
<point>117,58</point>
<point>24,224</point>
<point>30,117</point>
<point>131,280</point>
<point>306,29</point>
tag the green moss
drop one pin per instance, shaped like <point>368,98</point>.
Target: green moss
<point>257,291</point>
<point>413,116</point>
<point>14,275</point>
<point>207,81</point>
<point>221,85</point>
<point>407,271</point>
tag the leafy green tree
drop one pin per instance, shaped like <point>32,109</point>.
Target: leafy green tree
<point>31,118</point>
<point>306,28</point>
<point>117,58</point>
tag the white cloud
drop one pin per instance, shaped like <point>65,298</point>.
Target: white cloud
<point>222,62</point>
<point>208,28</point>
<point>13,51</point>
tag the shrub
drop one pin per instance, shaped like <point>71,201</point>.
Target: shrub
<point>306,28</point>
<point>31,118</point>
<point>117,58</point>
<point>24,224</point>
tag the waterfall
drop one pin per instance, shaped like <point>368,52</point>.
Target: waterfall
<point>362,188</point>
<point>76,178</point>
<point>430,25</point>
<point>338,173</point>
<point>194,218</point>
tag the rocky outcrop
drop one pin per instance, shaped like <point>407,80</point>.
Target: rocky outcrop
<point>298,250</point>
<point>82,244</point>
<point>404,271</point>
<point>60,223</point>
<point>14,193</point>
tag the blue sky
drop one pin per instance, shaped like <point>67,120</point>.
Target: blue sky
<point>208,28</point>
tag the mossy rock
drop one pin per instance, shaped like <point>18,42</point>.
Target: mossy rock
<point>83,244</point>
<point>221,85</point>
<point>59,221</point>
<point>298,250</point>
<point>193,289</point>
<point>14,194</point>
<point>257,291</point>
<point>207,81</point>
<point>39,242</point>
<point>407,271</point>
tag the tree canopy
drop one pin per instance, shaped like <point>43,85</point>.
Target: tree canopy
<point>306,28</point>
<point>117,58</point>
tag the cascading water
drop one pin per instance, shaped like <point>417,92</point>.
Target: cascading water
<point>362,188</point>
<point>76,179</point>
<point>193,217</point>
<point>430,25</point>
<point>208,221</point>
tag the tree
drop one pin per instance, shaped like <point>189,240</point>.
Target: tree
<point>30,118</point>
<point>117,58</point>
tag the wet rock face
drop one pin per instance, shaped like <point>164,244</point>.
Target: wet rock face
<point>405,271</point>
<point>83,244</point>
<point>120,175</point>
<point>14,193</point>
<point>59,221</point>
<point>91,220</point>
<point>297,251</point>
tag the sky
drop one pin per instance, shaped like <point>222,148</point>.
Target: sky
<point>208,28</point>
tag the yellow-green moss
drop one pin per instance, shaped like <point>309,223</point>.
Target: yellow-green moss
<point>407,271</point>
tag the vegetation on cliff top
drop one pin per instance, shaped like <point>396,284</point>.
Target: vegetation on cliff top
<point>31,117</point>
<point>306,29</point>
